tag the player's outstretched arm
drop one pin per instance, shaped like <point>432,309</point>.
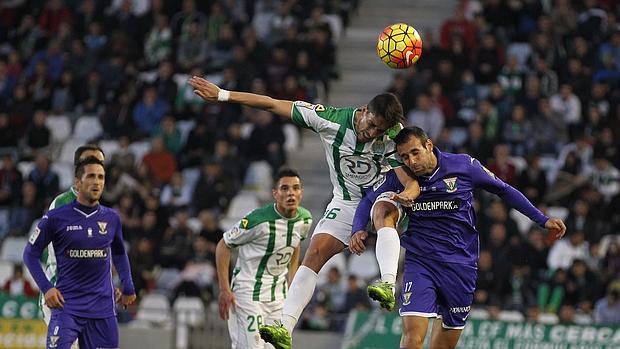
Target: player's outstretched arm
<point>212,93</point>
<point>222,264</point>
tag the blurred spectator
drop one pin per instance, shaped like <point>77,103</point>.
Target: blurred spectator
<point>210,231</point>
<point>549,130</point>
<point>565,251</point>
<point>582,287</point>
<point>17,285</point>
<point>176,194</point>
<point>142,256</point>
<point>355,297</point>
<point>158,46</point>
<point>488,284</point>
<point>502,166</point>
<point>44,178</point>
<point>332,293</point>
<point>26,210</point>
<point>533,180</point>
<point>8,135</point>
<point>550,295</point>
<point>123,157</point>
<point>170,133</point>
<point>267,140</point>
<point>536,253</point>
<point>427,116</point>
<point>176,245</point>
<point>148,113</point>
<point>607,309</point>
<point>10,181</point>
<point>38,135</point>
<point>160,163</point>
<point>517,132</point>
<point>193,46</point>
<point>213,189</point>
<point>605,177</point>
<point>458,25</point>
<point>566,104</point>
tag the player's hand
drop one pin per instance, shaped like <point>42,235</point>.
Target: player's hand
<point>403,199</point>
<point>117,294</point>
<point>204,88</point>
<point>127,299</point>
<point>226,302</point>
<point>54,299</point>
<point>556,227</point>
<point>358,244</point>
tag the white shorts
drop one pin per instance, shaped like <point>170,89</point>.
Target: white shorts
<point>245,318</point>
<point>385,197</point>
<point>337,220</point>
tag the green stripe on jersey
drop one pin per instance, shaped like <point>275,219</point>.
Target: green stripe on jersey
<point>289,232</point>
<point>336,154</point>
<point>263,261</point>
<point>298,119</point>
<point>273,288</point>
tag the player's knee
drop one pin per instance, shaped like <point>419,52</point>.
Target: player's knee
<point>385,214</point>
<point>412,341</point>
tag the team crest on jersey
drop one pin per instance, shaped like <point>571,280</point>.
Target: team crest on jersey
<point>244,223</point>
<point>34,236</point>
<point>54,341</point>
<point>102,227</point>
<point>450,184</point>
<point>378,146</point>
<point>406,298</point>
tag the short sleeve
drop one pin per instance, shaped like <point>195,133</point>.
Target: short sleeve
<point>239,234</point>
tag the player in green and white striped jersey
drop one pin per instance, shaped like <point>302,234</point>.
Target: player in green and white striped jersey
<point>48,258</point>
<point>268,241</point>
<point>358,149</point>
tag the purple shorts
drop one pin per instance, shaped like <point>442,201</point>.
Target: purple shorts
<point>438,289</point>
<point>65,328</point>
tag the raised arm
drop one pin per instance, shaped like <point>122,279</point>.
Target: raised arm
<point>212,93</point>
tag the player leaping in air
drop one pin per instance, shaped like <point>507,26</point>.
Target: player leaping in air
<point>358,149</point>
<point>441,240</point>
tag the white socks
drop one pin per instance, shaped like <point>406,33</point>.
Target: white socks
<point>299,295</point>
<point>387,252</point>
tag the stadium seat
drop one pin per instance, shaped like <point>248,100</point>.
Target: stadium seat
<point>87,128</point>
<point>68,150</point>
<point>519,163</point>
<point>25,167</point>
<point>154,308</point>
<point>583,319</point>
<point>109,147</point>
<point>523,223</point>
<point>511,316</point>
<point>13,248</point>
<point>189,310</point>
<point>291,136</point>
<point>139,149</point>
<point>240,205</point>
<point>365,266</point>
<point>6,270</point>
<point>191,177</point>
<point>548,319</point>
<point>59,126</point>
<point>65,174</point>
<point>557,211</point>
<point>479,314</point>
<point>259,179</point>
<point>167,278</point>
<point>185,127</point>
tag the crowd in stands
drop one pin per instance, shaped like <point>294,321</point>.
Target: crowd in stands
<point>531,89</point>
<point>114,73</point>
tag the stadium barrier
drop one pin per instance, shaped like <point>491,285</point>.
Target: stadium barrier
<point>20,325</point>
<point>378,330</point>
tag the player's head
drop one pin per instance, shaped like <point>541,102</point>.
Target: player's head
<point>416,150</point>
<point>88,150</point>
<point>287,191</point>
<point>90,179</point>
<point>383,112</point>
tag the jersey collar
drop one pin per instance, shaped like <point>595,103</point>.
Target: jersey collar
<point>275,208</point>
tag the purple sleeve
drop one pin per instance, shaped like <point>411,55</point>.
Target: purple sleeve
<point>362,215</point>
<point>389,182</point>
<point>485,179</point>
<point>38,241</point>
<point>121,261</point>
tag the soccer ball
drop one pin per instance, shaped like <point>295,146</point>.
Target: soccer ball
<point>399,46</point>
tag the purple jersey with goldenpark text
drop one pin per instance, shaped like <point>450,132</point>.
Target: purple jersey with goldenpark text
<point>442,221</point>
<point>86,241</point>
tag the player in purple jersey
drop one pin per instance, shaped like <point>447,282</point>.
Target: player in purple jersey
<point>86,237</point>
<point>441,240</point>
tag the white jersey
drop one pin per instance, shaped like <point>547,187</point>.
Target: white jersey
<point>353,165</point>
<point>266,241</point>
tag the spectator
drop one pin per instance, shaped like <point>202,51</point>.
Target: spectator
<point>44,178</point>
<point>607,309</point>
<point>517,132</point>
<point>605,177</point>
<point>158,46</point>
<point>26,210</point>
<point>170,133</point>
<point>355,297</point>
<point>566,104</point>
<point>176,194</point>
<point>563,252</point>
<point>160,163</point>
<point>502,166</point>
<point>267,140</point>
<point>193,46</point>
<point>38,135</point>
<point>148,113</point>
<point>10,181</point>
<point>17,285</point>
<point>427,116</point>
<point>213,189</point>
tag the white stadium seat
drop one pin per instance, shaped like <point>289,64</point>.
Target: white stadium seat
<point>258,179</point>
<point>548,319</point>
<point>87,128</point>
<point>511,316</point>
<point>139,149</point>
<point>13,248</point>
<point>109,147</point>
<point>240,205</point>
<point>65,174</point>
<point>68,150</point>
<point>291,136</point>
<point>59,126</point>
<point>25,167</point>
<point>6,271</point>
<point>154,308</point>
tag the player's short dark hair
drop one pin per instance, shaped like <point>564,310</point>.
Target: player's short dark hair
<point>410,131</point>
<point>387,106</point>
<point>79,168</point>
<point>284,172</point>
<point>81,149</point>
